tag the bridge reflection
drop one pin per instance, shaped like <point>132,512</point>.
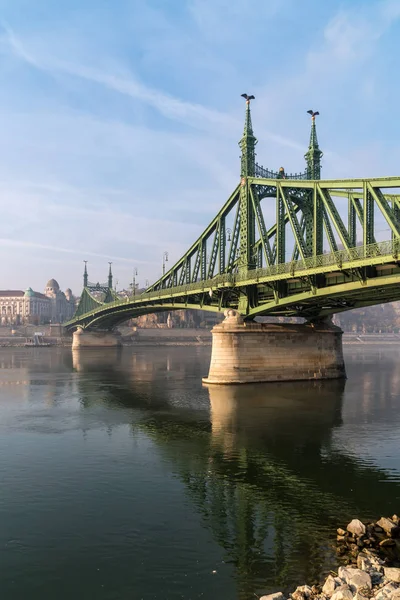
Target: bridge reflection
<point>258,462</point>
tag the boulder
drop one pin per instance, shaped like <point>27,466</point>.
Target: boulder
<point>355,578</point>
<point>343,592</point>
<point>392,573</point>
<point>329,586</point>
<point>275,596</point>
<point>363,562</point>
<point>356,527</point>
<point>360,596</point>
<point>368,561</point>
<point>305,590</point>
<point>386,524</point>
<point>387,542</point>
<point>387,592</point>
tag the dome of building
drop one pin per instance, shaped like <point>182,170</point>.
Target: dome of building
<point>29,293</point>
<point>53,284</point>
<point>68,292</point>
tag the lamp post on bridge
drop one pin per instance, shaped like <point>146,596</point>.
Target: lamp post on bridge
<point>133,284</point>
<point>164,260</point>
<point>85,275</point>
<point>110,277</point>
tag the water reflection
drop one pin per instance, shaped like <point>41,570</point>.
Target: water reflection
<point>94,360</point>
<point>261,471</point>
<point>267,411</point>
<point>271,469</point>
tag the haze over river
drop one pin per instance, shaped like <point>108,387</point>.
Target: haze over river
<point>123,477</point>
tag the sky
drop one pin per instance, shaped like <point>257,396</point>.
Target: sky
<point>119,121</point>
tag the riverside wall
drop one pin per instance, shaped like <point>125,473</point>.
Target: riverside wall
<point>171,337</point>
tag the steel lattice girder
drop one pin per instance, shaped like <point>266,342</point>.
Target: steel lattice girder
<point>269,289</point>
<point>309,303</point>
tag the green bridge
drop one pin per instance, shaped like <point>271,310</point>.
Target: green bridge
<point>282,245</point>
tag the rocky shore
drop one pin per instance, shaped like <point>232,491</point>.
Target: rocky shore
<point>370,557</point>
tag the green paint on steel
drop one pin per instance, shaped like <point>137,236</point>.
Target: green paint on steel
<point>282,245</point>
<point>247,216</point>
<point>247,145</point>
<point>314,154</point>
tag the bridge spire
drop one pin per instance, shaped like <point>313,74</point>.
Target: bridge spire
<point>110,277</point>
<point>314,154</point>
<point>248,143</point>
<point>245,259</point>
<point>85,275</point>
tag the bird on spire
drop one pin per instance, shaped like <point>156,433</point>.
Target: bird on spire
<point>248,98</point>
<point>312,113</point>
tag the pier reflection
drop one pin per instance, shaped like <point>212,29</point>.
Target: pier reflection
<point>303,412</point>
<point>94,360</point>
<point>261,464</point>
<point>257,462</point>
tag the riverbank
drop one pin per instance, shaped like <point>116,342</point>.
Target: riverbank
<point>142,337</point>
<point>371,338</point>
<point>370,554</point>
<point>187,337</point>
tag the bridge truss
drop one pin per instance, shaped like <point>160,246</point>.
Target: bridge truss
<point>282,245</point>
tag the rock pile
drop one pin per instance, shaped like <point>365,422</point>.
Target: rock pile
<point>371,565</point>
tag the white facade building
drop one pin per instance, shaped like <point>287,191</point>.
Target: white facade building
<point>18,307</point>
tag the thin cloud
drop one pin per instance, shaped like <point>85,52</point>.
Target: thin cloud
<point>169,106</point>
<point>193,114</point>
<point>8,243</point>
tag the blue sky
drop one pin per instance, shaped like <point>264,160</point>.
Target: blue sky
<point>119,121</point>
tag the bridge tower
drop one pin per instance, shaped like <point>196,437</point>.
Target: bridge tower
<point>246,352</point>
<point>93,296</point>
<point>314,154</point>
<point>246,258</point>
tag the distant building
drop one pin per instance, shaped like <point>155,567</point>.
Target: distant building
<point>62,304</point>
<point>18,307</point>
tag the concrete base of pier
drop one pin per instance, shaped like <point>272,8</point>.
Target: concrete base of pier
<point>249,352</point>
<point>82,338</point>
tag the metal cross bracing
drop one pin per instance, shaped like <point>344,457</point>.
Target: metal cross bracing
<point>282,245</point>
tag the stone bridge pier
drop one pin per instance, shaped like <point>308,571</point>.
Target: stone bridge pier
<point>84,338</point>
<point>249,352</point>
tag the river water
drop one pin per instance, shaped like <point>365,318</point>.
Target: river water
<point>122,477</point>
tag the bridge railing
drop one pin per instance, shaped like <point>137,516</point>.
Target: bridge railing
<point>338,258</point>
<point>264,173</point>
<point>391,247</point>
